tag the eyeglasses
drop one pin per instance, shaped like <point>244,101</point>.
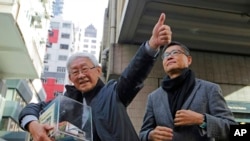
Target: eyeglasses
<point>84,70</point>
<point>172,53</point>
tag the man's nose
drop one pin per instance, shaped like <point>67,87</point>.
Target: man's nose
<point>81,74</point>
<point>170,56</point>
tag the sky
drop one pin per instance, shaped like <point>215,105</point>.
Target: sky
<point>86,12</point>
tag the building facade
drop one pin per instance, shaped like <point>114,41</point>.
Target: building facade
<point>58,7</point>
<point>24,29</point>
<point>88,42</point>
<point>60,46</point>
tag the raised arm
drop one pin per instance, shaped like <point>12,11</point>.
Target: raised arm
<point>131,80</point>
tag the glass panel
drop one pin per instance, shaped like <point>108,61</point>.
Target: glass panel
<point>10,94</point>
<point>4,124</point>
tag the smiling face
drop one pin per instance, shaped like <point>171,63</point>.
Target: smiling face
<point>83,74</point>
<point>176,61</point>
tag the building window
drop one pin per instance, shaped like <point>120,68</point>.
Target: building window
<point>60,80</point>
<point>93,41</point>
<point>66,25</point>
<point>8,124</point>
<point>93,46</point>
<point>47,56</point>
<point>93,52</point>
<point>14,95</point>
<point>85,46</point>
<point>46,68</point>
<point>54,25</point>
<point>64,46</point>
<point>84,51</point>
<point>90,35</point>
<point>62,57</point>
<point>61,69</point>
<point>85,40</point>
<point>65,35</point>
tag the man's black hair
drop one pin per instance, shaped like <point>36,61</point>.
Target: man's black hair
<point>185,48</point>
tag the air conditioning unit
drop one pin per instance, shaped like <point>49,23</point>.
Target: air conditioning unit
<point>47,16</point>
<point>37,18</point>
<point>50,30</point>
<point>42,41</point>
<point>36,21</point>
<point>39,25</point>
<point>44,1</point>
<point>48,44</point>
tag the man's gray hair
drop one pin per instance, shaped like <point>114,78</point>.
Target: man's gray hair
<point>77,55</point>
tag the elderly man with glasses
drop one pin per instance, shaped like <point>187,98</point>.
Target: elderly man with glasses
<point>108,101</point>
<point>185,108</point>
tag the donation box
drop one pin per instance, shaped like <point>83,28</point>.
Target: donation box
<point>71,119</point>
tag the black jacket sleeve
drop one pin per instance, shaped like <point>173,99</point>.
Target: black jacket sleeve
<point>131,80</point>
<point>32,109</point>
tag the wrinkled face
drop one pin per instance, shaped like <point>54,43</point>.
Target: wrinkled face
<point>175,60</point>
<point>83,74</point>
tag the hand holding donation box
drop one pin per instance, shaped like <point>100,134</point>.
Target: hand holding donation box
<point>71,119</point>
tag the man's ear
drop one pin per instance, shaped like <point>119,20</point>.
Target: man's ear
<point>99,69</point>
<point>189,60</point>
<point>69,78</point>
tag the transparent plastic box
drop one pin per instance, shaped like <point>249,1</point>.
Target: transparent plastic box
<point>71,119</point>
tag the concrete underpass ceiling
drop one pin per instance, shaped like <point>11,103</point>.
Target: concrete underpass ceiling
<point>209,25</point>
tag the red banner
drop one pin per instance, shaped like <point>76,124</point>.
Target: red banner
<point>53,36</point>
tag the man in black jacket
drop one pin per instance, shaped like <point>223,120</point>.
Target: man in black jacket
<point>108,101</point>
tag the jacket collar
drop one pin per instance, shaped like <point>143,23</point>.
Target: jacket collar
<point>75,94</point>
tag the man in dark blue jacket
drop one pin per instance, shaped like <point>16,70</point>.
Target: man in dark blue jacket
<point>108,101</point>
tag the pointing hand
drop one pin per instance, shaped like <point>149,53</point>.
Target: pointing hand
<point>161,34</point>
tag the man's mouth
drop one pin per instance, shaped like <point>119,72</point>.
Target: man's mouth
<point>83,81</point>
<point>171,62</point>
